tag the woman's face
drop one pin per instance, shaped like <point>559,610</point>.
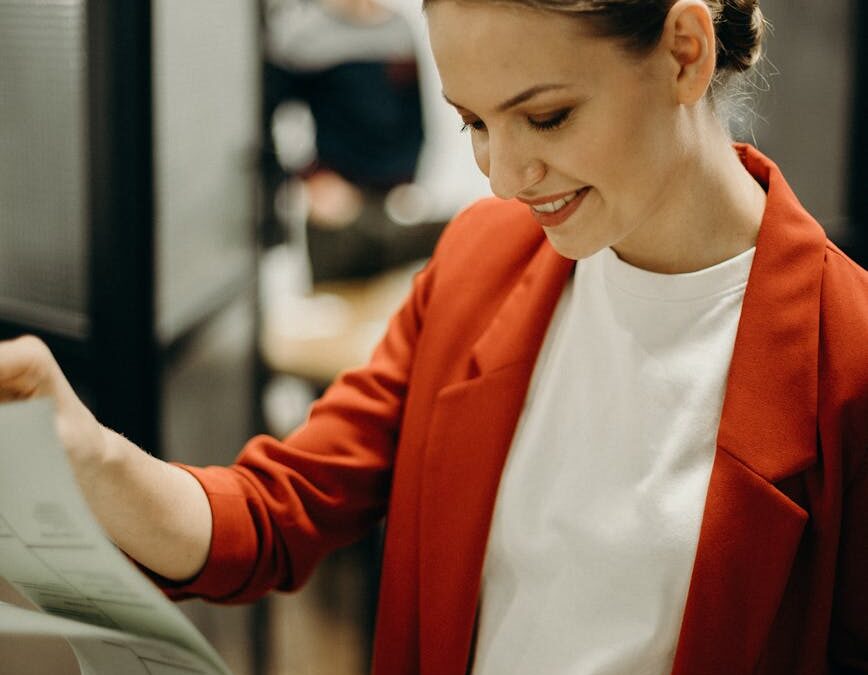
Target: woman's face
<point>557,116</point>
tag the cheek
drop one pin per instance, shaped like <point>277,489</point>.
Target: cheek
<point>615,138</point>
<point>620,165</point>
<point>480,153</point>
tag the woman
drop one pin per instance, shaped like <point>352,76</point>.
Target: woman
<point>649,460</point>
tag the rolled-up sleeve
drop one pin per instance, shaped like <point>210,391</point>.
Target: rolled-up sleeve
<point>285,504</point>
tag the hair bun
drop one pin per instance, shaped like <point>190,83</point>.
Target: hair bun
<point>740,27</point>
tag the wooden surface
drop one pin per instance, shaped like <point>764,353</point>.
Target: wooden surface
<point>333,329</point>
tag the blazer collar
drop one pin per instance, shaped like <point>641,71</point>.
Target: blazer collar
<point>772,388</point>
<point>750,530</point>
<point>516,332</point>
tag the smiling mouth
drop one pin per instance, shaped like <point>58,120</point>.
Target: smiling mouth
<point>555,206</point>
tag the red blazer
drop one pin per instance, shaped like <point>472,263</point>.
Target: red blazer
<point>780,580</point>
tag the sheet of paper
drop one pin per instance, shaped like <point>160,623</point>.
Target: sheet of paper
<point>55,554</point>
<point>104,650</point>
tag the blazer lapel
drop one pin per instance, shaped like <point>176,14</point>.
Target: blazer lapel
<point>750,530</point>
<point>471,431</point>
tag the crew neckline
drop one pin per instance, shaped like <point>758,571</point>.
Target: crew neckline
<point>726,276</point>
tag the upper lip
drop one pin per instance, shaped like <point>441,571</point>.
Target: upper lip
<point>549,199</point>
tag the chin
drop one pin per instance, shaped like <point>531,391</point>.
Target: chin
<point>569,248</point>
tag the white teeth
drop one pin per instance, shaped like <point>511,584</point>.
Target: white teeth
<point>551,207</point>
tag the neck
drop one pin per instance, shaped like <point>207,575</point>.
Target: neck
<point>712,214</point>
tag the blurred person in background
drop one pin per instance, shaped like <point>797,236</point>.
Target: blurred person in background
<point>353,64</point>
<point>620,424</point>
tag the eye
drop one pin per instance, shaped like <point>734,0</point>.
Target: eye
<point>551,122</point>
<point>475,125</point>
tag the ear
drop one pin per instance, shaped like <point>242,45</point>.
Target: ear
<point>688,37</point>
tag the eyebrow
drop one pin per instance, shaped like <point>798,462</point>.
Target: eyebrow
<point>524,96</point>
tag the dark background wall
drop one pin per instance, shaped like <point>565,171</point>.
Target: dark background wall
<point>805,105</point>
<point>129,137</point>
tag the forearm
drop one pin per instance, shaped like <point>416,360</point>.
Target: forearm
<point>155,512</point>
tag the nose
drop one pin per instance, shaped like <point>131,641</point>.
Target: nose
<point>510,170</point>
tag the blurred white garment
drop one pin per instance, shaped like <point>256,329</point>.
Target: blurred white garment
<point>306,35</point>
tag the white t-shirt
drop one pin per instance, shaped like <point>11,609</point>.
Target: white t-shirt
<point>598,512</point>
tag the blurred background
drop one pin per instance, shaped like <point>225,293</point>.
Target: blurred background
<point>209,208</point>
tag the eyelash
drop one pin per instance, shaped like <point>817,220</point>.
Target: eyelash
<point>549,124</point>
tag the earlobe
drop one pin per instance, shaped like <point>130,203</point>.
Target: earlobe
<point>689,35</point>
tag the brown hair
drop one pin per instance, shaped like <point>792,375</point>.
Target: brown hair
<point>638,24</point>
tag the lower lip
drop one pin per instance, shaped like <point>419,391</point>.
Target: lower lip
<point>556,218</point>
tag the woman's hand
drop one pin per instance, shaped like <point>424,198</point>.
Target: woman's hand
<point>28,370</point>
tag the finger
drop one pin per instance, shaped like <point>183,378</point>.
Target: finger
<point>25,367</point>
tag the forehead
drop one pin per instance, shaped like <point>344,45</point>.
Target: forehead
<point>480,45</point>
